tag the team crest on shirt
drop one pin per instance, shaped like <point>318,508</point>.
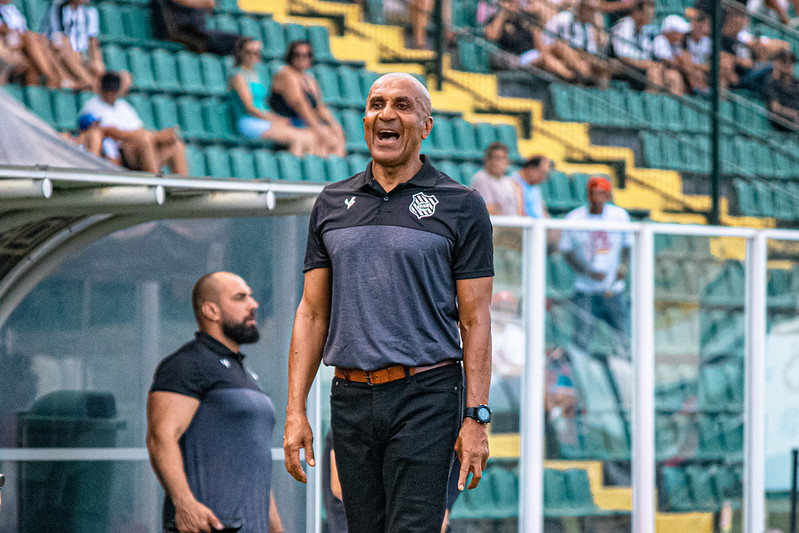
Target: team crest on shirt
<point>423,205</point>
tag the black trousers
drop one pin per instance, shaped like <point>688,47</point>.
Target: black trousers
<point>394,447</point>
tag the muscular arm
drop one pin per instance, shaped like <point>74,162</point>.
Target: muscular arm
<point>308,338</point>
<point>168,416</point>
<point>474,300</point>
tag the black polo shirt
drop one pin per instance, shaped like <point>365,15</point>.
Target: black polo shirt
<point>395,258</point>
<point>227,448</point>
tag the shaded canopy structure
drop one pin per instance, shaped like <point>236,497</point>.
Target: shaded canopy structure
<point>56,198</point>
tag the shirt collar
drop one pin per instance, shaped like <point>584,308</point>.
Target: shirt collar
<point>217,346</point>
<point>426,177</point>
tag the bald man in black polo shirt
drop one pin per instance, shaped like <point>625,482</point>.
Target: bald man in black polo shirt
<point>209,425</point>
<point>398,269</point>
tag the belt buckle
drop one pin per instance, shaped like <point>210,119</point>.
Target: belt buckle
<point>368,377</point>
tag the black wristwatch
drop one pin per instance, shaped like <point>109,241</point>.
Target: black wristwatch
<point>481,413</point>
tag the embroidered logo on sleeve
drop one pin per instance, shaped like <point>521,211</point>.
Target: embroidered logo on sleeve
<point>225,362</point>
<point>423,205</point>
<point>349,202</point>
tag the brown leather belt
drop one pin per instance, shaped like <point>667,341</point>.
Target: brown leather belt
<point>385,375</point>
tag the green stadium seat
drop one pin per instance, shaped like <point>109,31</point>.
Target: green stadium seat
<point>745,195</point>
<point>449,168</point>
<point>675,493</point>
<point>472,56</point>
<point>35,11</point>
<point>190,117</point>
<point>485,134</point>
<point>578,488</point>
<point>579,184</point>
<point>144,108</point>
<point>65,109</point>
<point>635,108</point>
<point>314,169</point>
<point>764,196</point>
<point>670,152</point>
<point>442,139</point>
<point>217,162</point>
<point>357,163</point>
<point>464,136</point>
<point>112,28</point>
<point>228,6</point>
<point>189,72</point>
<point>617,107</point>
<point>274,40</point>
<point>711,446</point>
<point>560,192</point>
<point>213,74</point>
<point>505,492</point>
<point>352,123</point>
<point>141,69</point>
<point>584,108</point>
<point>561,101</point>
<point>556,499</point>
<point>328,85</point>
<point>713,390</point>
<point>350,87</point>
<point>560,277</point>
<point>464,15</point>
<point>83,97</point>
<point>701,482</point>
<point>507,135</point>
<point>14,91</point>
<point>732,430</point>
<point>294,32</point>
<point>320,42</point>
<point>468,170</point>
<point>195,160</point>
<point>265,165</point>
<point>653,154</point>
<point>727,486</point>
<point>166,72</point>
<point>38,100</point>
<point>251,27</point>
<point>225,23</point>
<point>337,168</point>
<point>218,120</point>
<point>165,111</point>
<point>115,58</point>
<point>242,164</point>
<point>368,77</point>
<point>289,167</point>
<point>139,26</point>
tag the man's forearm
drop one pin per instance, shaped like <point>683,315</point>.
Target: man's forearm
<point>477,360</point>
<point>305,354</point>
<point>167,463</point>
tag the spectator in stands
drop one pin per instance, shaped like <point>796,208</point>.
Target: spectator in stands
<point>615,10</point>
<point>90,135</point>
<point>782,92</point>
<point>248,100</point>
<point>26,53</point>
<point>420,12</point>
<point>580,43</point>
<point>529,177</point>
<point>296,96</point>
<point>633,43</point>
<point>742,55</point>
<point>600,261</point>
<point>698,42</point>
<point>186,22</point>
<point>773,9</point>
<point>125,135</point>
<point>500,193</point>
<point>670,48</point>
<point>516,31</point>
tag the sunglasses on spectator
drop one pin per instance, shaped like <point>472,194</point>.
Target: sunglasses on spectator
<point>304,54</point>
<point>252,52</point>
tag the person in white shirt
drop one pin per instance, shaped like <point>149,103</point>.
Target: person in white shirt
<point>501,195</point>
<point>73,28</point>
<point>600,261</point>
<point>633,39</point>
<point>27,52</point>
<point>139,148</point>
<point>580,42</point>
<point>773,9</point>
<point>669,48</point>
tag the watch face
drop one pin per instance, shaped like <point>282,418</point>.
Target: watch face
<point>483,414</point>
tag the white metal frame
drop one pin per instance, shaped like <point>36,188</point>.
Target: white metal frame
<point>643,458</point>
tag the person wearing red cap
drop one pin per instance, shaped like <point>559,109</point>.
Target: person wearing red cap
<point>600,261</point>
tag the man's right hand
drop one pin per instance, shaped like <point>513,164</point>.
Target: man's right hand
<point>194,517</point>
<point>297,435</point>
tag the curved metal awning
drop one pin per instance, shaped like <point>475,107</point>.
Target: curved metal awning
<point>46,213</point>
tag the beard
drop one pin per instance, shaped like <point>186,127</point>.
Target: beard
<point>240,333</point>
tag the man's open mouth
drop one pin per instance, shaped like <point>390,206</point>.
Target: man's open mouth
<point>387,135</point>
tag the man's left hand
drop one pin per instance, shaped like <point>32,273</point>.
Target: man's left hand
<point>472,448</point>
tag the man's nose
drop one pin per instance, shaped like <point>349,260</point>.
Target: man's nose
<point>387,113</point>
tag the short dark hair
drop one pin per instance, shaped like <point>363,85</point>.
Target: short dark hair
<point>203,290</point>
<point>111,82</point>
<point>535,161</point>
<point>291,51</point>
<point>493,147</point>
<point>641,4</point>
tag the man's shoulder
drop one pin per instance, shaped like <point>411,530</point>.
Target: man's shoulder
<point>577,213</point>
<point>615,212</point>
<point>561,19</point>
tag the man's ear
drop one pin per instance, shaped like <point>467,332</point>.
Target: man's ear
<point>210,311</point>
<point>428,127</point>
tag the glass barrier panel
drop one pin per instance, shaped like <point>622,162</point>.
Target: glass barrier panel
<point>587,468</point>
<point>699,381</point>
<point>782,379</point>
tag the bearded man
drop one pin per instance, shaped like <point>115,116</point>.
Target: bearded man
<point>209,425</point>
